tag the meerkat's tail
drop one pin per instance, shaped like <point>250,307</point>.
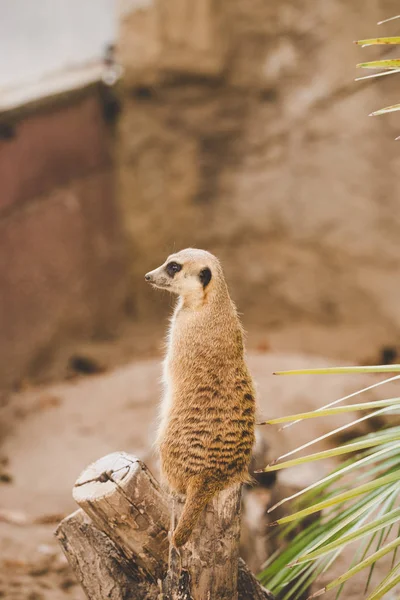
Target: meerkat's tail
<point>198,496</point>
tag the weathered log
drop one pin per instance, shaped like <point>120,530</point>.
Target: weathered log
<point>202,562</point>
<point>249,587</point>
<point>199,570</point>
<point>99,566</point>
<point>124,500</point>
<point>128,530</point>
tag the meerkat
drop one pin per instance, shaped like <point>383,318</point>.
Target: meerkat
<point>206,431</point>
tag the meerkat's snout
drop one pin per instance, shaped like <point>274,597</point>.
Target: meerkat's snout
<point>158,278</point>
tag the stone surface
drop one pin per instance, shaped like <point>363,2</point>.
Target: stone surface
<point>271,161</point>
<point>51,147</point>
<point>61,244</point>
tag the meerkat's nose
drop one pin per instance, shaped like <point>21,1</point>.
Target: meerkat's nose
<point>147,277</point>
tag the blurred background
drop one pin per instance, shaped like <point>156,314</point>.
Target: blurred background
<point>133,128</point>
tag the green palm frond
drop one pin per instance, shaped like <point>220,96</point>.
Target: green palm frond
<point>393,63</point>
<point>342,370</point>
<point>357,503</point>
<point>378,41</point>
<point>389,66</point>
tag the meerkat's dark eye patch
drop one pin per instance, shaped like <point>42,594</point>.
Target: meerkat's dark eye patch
<point>205,276</point>
<point>173,268</point>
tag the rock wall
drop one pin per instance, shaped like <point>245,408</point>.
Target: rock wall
<point>244,132</point>
<point>62,273</point>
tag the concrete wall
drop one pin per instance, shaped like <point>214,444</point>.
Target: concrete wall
<point>244,132</point>
<point>62,273</point>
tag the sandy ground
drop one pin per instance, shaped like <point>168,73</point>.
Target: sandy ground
<point>52,432</point>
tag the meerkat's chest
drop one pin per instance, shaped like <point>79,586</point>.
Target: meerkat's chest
<point>203,360</point>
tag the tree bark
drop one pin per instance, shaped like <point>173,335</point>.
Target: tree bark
<point>121,552</point>
<point>249,588</point>
<point>101,569</point>
<point>208,562</point>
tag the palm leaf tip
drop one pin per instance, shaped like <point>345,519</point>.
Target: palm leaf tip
<point>383,111</point>
<point>342,370</point>
<point>375,75</point>
<point>378,41</point>
<point>392,63</point>
<point>268,467</point>
<point>389,19</point>
<point>317,594</point>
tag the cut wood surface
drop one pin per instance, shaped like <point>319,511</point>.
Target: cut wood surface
<point>128,532</point>
<point>124,500</point>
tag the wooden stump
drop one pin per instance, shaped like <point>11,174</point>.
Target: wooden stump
<point>201,565</point>
<point>100,567</point>
<point>118,547</point>
<point>124,500</point>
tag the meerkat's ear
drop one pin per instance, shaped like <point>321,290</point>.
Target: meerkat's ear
<point>205,276</point>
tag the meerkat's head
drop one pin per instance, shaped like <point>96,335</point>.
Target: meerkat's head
<point>190,273</point>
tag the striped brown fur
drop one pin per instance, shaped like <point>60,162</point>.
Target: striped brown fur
<point>206,432</point>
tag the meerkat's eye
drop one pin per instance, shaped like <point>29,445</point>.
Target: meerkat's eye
<point>173,268</point>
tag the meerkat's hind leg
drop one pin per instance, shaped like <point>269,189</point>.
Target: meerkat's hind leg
<point>175,499</point>
<point>199,493</point>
